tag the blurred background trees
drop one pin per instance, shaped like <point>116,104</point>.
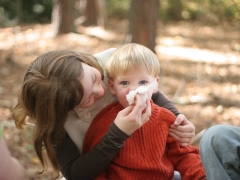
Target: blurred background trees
<point>13,12</point>
<point>143,15</point>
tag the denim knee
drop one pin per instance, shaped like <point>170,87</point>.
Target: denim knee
<point>215,135</point>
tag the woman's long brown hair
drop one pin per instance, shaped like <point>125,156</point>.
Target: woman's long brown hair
<point>50,90</point>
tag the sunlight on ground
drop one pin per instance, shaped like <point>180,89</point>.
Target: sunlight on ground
<point>99,32</point>
<point>194,54</point>
<point>10,37</point>
<point>169,48</point>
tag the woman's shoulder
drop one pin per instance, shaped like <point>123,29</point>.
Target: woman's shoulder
<point>104,55</point>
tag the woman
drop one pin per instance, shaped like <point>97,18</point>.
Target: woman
<point>53,98</point>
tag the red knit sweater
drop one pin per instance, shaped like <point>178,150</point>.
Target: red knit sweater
<point>149,153</point>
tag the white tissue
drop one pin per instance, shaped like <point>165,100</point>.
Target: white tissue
<point>142,91</point>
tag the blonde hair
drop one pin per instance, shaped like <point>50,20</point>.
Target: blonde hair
<point>50,90</point>
<point>131,57</point>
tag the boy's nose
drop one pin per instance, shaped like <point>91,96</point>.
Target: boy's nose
<point>133,87</point>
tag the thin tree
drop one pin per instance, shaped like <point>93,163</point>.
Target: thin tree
<point>62,16</point>
<point>19,11</point>
<point>143,22</point>
<point>95,13</point>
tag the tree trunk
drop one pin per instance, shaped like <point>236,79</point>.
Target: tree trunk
<point>62,16</point>
<point>101,13</point>
<point>95,13</point>
<point>91,13</point>
<point>143,22</point>
<point>19,11</point>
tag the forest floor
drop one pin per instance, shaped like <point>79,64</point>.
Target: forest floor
<point>200,67</point>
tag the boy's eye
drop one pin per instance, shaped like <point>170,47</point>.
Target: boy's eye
<point>143,82</point>
<point>124,83</point>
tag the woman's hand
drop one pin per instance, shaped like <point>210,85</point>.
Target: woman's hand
<point>182,130</point>
<point>132,117</point>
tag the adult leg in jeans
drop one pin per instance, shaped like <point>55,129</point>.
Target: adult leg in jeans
<point>220,152</point>
<point>176,175</point>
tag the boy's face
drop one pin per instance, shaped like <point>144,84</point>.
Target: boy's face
<point>124,83</point>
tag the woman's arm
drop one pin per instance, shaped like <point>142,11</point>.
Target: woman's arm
<point>162,101</point>
<point>90,165</point>
<point>182,129</point>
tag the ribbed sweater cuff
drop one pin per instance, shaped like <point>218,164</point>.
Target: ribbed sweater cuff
<point>118,132</point>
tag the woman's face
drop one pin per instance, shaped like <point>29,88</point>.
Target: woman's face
<point>93,86</point>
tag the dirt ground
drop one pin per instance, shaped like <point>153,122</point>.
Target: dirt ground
<point>199,72</point>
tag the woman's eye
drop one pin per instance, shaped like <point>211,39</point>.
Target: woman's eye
<point>124,83</point>
<point>143,82</point>
<point>94,78</point>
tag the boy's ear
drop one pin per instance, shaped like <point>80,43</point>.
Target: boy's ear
<point>111,87</point>
<point>155,90</point>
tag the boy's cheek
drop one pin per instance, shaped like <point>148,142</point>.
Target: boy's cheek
<point>122,98</point>
<point>121,93</point>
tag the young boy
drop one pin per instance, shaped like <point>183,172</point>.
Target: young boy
<point>149,153</point>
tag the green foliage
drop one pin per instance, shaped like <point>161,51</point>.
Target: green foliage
<point>33,11</point>
<point>7,11</point>
<point>118,9</point>
<point>37,10</point>
<point>174,10</point>
<point>29,11</point>
<point>206,10</point>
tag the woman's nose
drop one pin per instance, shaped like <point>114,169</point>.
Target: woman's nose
<point>98,90</point>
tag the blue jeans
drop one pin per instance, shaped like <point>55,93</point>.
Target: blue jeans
<point>176,176</point>
<point>220,152</point>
